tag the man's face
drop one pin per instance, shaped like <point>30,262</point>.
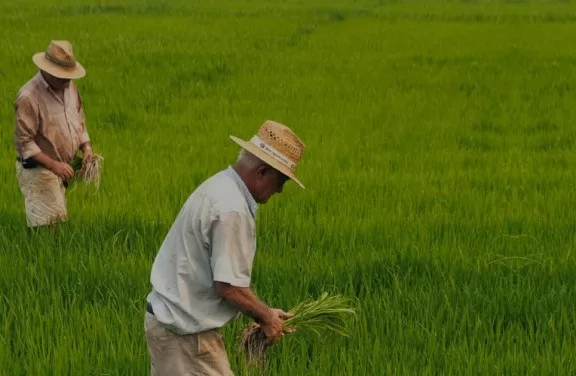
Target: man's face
<point>268,182</point>
<point>56,83</point>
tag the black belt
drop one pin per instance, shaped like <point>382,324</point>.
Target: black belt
<point>149,308</point>
<point>27,163</point>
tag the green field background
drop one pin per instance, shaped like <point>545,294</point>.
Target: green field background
<point>439,171</point>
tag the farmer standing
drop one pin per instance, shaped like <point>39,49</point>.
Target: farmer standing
<point>49,129</point>
<point>201,275</point>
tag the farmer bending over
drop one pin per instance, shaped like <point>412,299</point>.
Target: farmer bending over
<point>201,275</point>
<point>49,129</point>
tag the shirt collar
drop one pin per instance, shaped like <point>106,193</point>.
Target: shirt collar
<point>244,189</point>
<point>45,84</point>
<point>42,80</point>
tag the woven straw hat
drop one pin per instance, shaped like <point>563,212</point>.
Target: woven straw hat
<point>59,61</point>
<point>276,145</point>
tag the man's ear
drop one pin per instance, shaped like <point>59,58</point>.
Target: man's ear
<point>261,170</point>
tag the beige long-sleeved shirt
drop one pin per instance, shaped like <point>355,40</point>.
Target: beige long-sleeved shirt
<point>45,123</point>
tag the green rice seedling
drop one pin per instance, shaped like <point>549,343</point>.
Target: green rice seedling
<point>87,169</point>
<point>326,314</point>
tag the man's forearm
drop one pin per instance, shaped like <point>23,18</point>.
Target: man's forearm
<point>43,159</point>
<point>245,300</point>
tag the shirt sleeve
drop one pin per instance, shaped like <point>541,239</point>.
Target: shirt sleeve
<point>25,127</point>
<point>84,137</point>
<point>232,249</point>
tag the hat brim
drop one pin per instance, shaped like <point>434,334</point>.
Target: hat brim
<point>56,70</point>
<point>253,149</point>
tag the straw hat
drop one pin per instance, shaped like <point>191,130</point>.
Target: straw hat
<point>276,145</point>
<point>59,61</point>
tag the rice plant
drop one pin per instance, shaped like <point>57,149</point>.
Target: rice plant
<point>326,314</point>
<point>88,170</point>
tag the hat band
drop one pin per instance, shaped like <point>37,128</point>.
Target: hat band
<point>273,152</point>
<point>59,62</point>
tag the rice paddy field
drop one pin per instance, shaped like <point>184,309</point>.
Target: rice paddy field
<point>439,171</point>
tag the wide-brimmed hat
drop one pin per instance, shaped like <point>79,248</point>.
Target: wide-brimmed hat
<point>59,61</point>
<point>276,145</point>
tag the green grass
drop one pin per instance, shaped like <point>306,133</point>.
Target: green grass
<point>439,172</point>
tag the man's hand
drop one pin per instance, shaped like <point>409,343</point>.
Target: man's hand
<point>283,315</point>
<point>87,152</point>
<point>63,170</point>
<point>270,319</point>
<point>273,326</point>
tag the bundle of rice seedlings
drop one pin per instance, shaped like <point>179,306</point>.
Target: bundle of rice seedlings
<point>88,169</point>
<point>254,342</point>
<point>324,314</point>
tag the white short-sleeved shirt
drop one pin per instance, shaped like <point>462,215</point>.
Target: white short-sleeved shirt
<point>212,239</point>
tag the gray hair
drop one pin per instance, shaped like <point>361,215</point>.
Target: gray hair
<point>248,160</point>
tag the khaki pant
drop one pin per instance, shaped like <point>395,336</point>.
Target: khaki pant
<point>44,196</point>
<point>178,355</point>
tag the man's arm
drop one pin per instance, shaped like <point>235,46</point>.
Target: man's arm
<point>231,261</point>
<point>246,301</point>
<point>26,126</point>
<point>63,170</point>
<point>25,129</point>
<point>85,145</point>
<point>44,160</point>
<point>270,319</point>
